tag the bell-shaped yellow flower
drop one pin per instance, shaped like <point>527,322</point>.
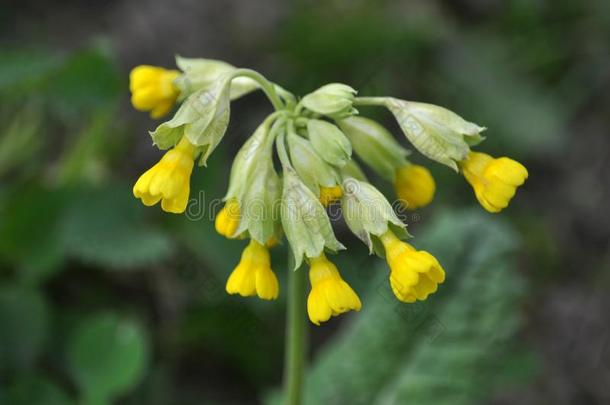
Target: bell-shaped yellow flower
<point>330,194</point>
<point>228,218</point>
<point>253,274</point>
<point>169,180</point>
<point>330,295</point>
<point>414,186</point>
<point>414,274</point>
<point>494,181</point>
<point>152,89</point>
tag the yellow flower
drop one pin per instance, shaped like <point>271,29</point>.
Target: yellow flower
<point>228,218</point>
<point>330,194</point>
<point>152,89</point>
<point>414,186</point>
<point>330,295</point>
<point>494,181</point>
<point>253,274</point>
<point>169,180</point>
<point>414,274</point>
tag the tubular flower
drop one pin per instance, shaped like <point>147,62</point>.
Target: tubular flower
<point>330,194</point>
<point>152,89</point>
<point>253,274</point>
<point>330,295</point>
<point>169,180</point>
<point>228,218</point>
<point>494,181</point>
<point>414,186</point>
<point>414,274</point>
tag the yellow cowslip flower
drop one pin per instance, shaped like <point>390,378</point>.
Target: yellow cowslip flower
<point>152,89</point>
<point>228,218</point>
<point>253,274</point>
<point>414,186</point>
<point>414,274</point>
<point>494,181</point>
<point>330,295</point>
<point>330,194</point>
<point>169,180</point>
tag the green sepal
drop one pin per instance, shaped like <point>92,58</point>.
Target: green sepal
<point>304,219</point>
<point>329,142</point>
<point>375,145</point>
<point>333,100</point>
<point>366,211</point>
<point>436,132</point>
<point>310,167</point>
<point>200,74</point>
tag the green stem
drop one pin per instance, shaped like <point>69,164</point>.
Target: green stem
<point>267,87</point>
<point>375,101</point>
<point>295,337</point>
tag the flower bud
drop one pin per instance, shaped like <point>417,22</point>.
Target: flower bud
<point>329,142</point>
<point>333,100</point>
<point>414,186</point>
<point>494,181</point>
<point>436,132</point>
<point>366,211</point>
<point>374,145</point>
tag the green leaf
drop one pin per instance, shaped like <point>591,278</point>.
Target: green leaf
<point>32,389</point>
<point>107,356</point>
<point>24,322</point>
<point>104,228</point>
<point>440,351</point>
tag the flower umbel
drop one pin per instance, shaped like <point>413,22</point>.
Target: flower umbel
<point>414,186</point>
<point>494,181</point>
<point>228,218</point>
<point>169,180</point>
<point>253,274</point>
<point>330,295</point>
<point>414,274</point>
<point>153,89</point>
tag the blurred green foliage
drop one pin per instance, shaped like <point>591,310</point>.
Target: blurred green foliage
<point>105,301</point>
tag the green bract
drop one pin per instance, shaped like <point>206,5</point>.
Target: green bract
<point>334,100</point>
<point>366,211</point>
<point>374,145</point>
<point>304,219</point>
<point>329,142</point>
<point>436,132</point>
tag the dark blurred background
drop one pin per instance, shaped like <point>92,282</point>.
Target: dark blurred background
<point>105,301</point>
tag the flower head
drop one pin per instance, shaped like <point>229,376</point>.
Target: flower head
<point>414,274</point>
<point>253,274</point>
<point>414,186</point>
<point>330,295</point>
<point>494,181</point>
<point>228,219</point>
<point>169,180</point>
<point>152,89</point>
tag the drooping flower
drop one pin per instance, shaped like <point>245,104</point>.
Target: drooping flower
<point>253,274</point>
<point>414,186</point>
<point>153,89</point>
<point>494,180</point>
<point>227,220</point>
<point>414,274</point>
<point>169,180</point>
<point>330,295</point>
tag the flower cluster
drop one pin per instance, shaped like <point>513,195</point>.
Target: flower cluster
<point>320,142</point>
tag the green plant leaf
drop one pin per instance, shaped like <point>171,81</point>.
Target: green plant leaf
<point>107,356</point>
<point>31,389</point>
